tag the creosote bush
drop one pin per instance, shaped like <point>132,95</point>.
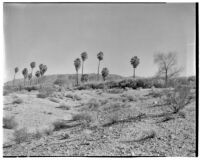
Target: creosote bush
<point>9,123</point>
<point>178,99</point>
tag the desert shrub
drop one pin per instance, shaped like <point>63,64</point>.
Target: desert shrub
<point>76,97</point>
<point>131,98</point>
<point>41,95</point>
<point>60,81</point>
<point>17,101</point>
<point>178,98</point>
<point>84,78</point>
<point>48,131</point>
<point>115,90</point>
<point>82,117</point>
<point>64,106</point>
<point>9,89</point>
<point>103,102</point>
<point>31,88</point>
<point>46,91</point>
<point>9,123</point>
<point>21,135</point>
<point>36,135</point>
<point>54,99</point>
<point>58,125</point>
<point>69,96</point>
<point>144,83</point>
<point>93,103</point>
<point>158,83</point>
<point>113,107</point>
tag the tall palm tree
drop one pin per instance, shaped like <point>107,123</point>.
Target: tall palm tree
<point>43,69</point>
<point>16,70</point>
<point>100,58</point>
<point>25,74</point>
<point>30,77</point>
<point>32,64</point>
<point>134,62</point>
<point>104,73</point>
<point>37,74</point>
<point>77,64</point>
<point>84,56</point>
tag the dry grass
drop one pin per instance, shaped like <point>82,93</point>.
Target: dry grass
<point>82,117</point>
<point>115,91</point>
<point>93,103</point>
<point>64,106</point>
<point>9,123</point>
<point>17,101</point>
<point>54,100</point>
<point>21,135</point>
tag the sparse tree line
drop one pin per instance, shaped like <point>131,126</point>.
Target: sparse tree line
<point>29,76</point>
<point>167,64</point>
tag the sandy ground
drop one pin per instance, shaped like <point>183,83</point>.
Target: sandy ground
<point>175,137</point>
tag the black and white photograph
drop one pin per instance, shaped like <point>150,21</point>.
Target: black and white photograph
<point>100,79</point>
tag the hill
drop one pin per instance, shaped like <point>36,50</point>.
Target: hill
<point>67,78</point>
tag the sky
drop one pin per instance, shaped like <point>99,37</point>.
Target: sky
<point>56,34</point>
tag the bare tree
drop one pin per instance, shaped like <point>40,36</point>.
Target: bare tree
<point>167,64</point>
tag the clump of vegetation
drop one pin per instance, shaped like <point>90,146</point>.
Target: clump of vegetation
<point>17,101</point>
<point>45,92</point>
<point>59,124</point>
<point>115,91</point>
<point>93,103</point>
<point>37,134</point>
<point>64,106</point>
<point>73,96</point>
<point>178,99</point>
<point>21,135</point>
<point>48,131</point>
<point>104,73</point>
<point>82,117</point>
<point>9,122</point>
<point>54,100</point>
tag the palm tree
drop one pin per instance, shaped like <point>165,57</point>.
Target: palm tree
<point>77,64</point>
<point>104,73</point>
<point>32,64</point>
<point>16,70</point>
<point>30,77</point>
<point>43,69</point>
<point>37,74</point>
<point>100,58</point>
<point>134,62</point>
<point>84,56</point>
<point>25,74</point>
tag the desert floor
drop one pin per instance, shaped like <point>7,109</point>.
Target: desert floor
<point>128,123</point>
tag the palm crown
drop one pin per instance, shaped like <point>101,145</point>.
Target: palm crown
<point>77,63</point>
<point>135,61</point>
<point>16,69</point>
<point>84,56</point>
<point>100,56</point>
<point>33,64</point>
<point>25,72</point>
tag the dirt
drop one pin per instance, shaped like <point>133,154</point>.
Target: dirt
<point>120,126</point>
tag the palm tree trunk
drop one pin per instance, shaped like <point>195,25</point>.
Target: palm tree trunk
<point>14,80</point>
<point>166,78</point>
<point>98,71</point>
<point>133,72</point>
<point>24,82</point>
<point>77,78</point>
<point>82,67</point>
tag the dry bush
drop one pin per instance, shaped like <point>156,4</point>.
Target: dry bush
<point>82,117</point>
<point>9,123</point>
<point>17,101</point>
<point>64,106</point>
<point>111,119</point>
<point>69,96</point>
<point>21,135</point>
<point>36,135</point>
<point>54,100</point>
<point>115,91</point>
<point>113,107</point>
<point>48,131</point>
<point>103,102</point>
<point>76,97</point>
<point>45,92</point>
<point>58,125</point>
<point>41,95</point>
<point>178,99</point>
<point>93,103</point>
